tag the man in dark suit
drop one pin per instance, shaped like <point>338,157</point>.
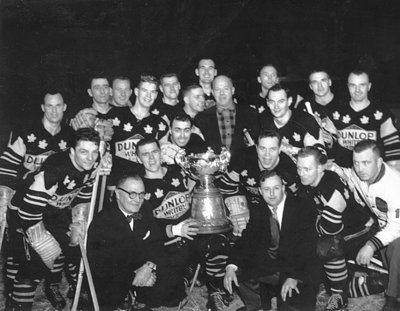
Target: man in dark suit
<point>277,248</point>
<point>125,249</point>
<point>223,124</point>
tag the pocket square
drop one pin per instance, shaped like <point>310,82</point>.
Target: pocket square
<point>146,235</point>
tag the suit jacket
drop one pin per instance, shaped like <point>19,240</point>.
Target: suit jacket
<point>297,244</point>
<point>208,124</point>
<point>115,251</point>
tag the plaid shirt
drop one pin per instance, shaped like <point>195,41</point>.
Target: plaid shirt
<point>226,123</point>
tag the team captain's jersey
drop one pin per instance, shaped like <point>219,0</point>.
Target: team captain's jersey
<point>244,171</point>
<point>28,147</point>
<point>169,197</point>
<point>48,194</point>
<point>295,130</point>
<point>339,211</point>
<point>373,122</point>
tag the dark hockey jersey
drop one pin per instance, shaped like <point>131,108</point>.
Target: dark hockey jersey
<point>29,145</point>
<point>354,126</point>
<point>339,211</point>
<point>49,194</point>
<point>244,171</point>
<point>169,198</point>
<point>293,132</point>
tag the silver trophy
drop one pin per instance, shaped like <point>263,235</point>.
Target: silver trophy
<point>208,207</point>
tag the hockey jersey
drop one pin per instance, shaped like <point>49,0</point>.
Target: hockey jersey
<point>49,194</point>
<point>244,171</point>
<point>28,147</point>
<point>339,211</point>
<point>354,126</point>
<point>293,132</point>
<point>169,198</point>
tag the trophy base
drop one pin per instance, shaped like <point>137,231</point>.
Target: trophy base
<point>212,228</point>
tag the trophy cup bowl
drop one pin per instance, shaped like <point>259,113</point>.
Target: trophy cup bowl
<point>207,204</point>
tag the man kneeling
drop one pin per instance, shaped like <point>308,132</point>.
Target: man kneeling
<point>277,247</point>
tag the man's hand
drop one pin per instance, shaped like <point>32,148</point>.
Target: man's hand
<point>287,288</point>
<point>186,229</point>
<point>364,255</point>
<point>144,277</point>
<point>230,276</point>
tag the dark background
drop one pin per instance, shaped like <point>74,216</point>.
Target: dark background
<point>44,42</point>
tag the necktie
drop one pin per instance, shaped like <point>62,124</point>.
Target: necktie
<point>134,216</point>
<point>273,220</point>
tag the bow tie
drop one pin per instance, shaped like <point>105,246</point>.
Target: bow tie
<point>134,216</point>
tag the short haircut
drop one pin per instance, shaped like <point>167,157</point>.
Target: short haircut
<point>183,117</point>
<point>369,144</point>
<point>276,88</point>
<point>359,72</point>
<point>123,78</point>
<point>85,134</point>
<point>99,75</point>
<point>268,133</point>
<point>146,141</point>
<point>318,154</point>
<point>168,75</point>
<point>269,65</point>
<point>318,69</point>
<point>123,178</point>
<point>264,175</point>
<point>206,58</point>
<point>189,88</point>
<point>52,91</point>
<point>148,79</point>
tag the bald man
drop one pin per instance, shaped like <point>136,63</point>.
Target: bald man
<point>223,124</point>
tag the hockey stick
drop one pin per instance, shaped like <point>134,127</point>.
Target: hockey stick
<point>89,275</point>
<point>186,300</point>
<point>102,192</point>
<point>3,225</point>
<point>81,267</point>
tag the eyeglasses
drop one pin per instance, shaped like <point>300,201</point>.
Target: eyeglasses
<point>134,195</point>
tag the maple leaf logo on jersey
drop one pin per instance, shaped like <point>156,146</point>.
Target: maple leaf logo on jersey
<point>31,138</point>
<point>62,144</point>
<point>285,140</point>
<point>378,115</point>
<point>364,120</point>
<point>175,182</point>
<point>296,136</point>
<point>161,127</point>
<point>148,129</point>
<point>156,112</point>
<point>128,127</point>
<point>159,193</point>
<point>251,181</point>
<point>261,109</point>
<point>71,185</point>
<point>244,173</point>
<point>43,144</point>
<point>336,115</point>
<point>67,181</point>
<point>116,122</point>
<point>346,119</point>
